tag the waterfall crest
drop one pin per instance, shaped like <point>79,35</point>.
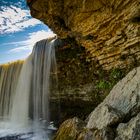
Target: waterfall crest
<point>30,105</point>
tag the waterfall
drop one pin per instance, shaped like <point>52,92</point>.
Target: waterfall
<point>9,74</point>
<point>19,112</point>
<point>30,106</point>
<point>44,64</point>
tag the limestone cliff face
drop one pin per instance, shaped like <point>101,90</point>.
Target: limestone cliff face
<point>108,29</point>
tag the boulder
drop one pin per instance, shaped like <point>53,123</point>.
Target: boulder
<point>105,116</point>
<point>123,100</point>
<point>69,129</point>
<point>129,130</point>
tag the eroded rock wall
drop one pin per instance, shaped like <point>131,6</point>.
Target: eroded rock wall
<point>108,29</point>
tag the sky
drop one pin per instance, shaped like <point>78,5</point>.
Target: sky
<point>18,30</point>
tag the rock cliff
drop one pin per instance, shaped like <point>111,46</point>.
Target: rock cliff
<point>116,118</point>
<point>108,29</point>
<point>103,36</point>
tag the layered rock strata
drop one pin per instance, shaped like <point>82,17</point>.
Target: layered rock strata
<point>109,30</point>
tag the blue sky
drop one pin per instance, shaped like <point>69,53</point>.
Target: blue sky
<point>18,30</point>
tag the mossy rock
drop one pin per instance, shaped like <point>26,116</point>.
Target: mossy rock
<point>69,129</point>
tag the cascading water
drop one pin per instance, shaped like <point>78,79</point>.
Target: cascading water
<point>29,109</point>
<point>9,74</point>
<point>19,114</point>
<point>44,63</point>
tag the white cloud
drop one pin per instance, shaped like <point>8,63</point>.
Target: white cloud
<point>13,19</point>
<point>37,36</point>
<point>32,39</point>
<point>19,49</point>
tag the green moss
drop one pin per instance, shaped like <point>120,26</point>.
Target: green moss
<point>103,85</point>
<point>116,74</point>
